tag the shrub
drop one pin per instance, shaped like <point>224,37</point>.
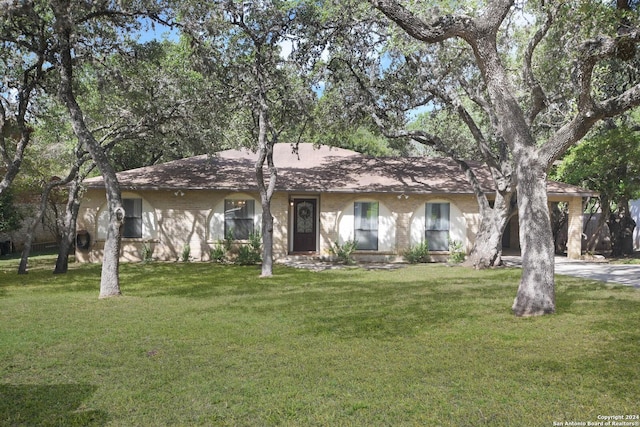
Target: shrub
<point>250,253</point>
<point>146,252</point>
<point>10,216</point>
<point>345,251</point>
<point>228,240</point>
<point>457,253</point>
<point>218,252</point>
<point>418,253</point>
<point>186,252</point>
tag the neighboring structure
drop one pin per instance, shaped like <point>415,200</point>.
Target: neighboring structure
<point>324,196</point>
<point>635,214</point>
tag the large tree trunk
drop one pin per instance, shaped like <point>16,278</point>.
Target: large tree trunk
<point>536,292</point>
<point>110,280</point>
<point>265,155</point>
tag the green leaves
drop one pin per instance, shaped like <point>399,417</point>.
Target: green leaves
<point>607,162</point>
<point>10,216</point>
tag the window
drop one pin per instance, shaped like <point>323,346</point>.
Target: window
<point>132,218</point>
<point>366,225</point>
<point>437,226</point>
<point>238,218</point>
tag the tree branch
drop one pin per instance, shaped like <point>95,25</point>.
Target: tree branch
<point>590,111</point>
<point>538,97</point>
<point>441,29</point>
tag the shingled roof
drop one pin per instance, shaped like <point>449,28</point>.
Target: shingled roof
<point>314,170</point>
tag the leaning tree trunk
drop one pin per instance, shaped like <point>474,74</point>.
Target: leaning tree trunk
<point>69,228</point>
<point>487,249</point>
<point>26,250</point>
<point>536,292</point>
<point>109,280</point>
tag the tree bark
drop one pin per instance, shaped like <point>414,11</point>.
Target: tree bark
<point>69,228</point>
<point>13,166</point>
<point>536,292</point>
<point>110,280</point>
<point>26,250</point>
<point>265,154</point>
<point>487,250</point>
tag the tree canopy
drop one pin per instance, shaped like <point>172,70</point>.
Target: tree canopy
<point>608,161</point>
<point>527,79</point>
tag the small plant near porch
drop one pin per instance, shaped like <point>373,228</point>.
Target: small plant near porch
<point>344,252</point>
<point>251,253</point>
<point>457,253</point>
<point>418,253</point>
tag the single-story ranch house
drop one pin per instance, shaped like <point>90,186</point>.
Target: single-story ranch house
<point>324,196</point>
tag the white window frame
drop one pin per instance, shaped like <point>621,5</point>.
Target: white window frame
<point>248,218</point>
<point>437,225</point>
<point>132,215</point>
<point>366,228</point>
<point>216,222</point>
<point>150,227</point>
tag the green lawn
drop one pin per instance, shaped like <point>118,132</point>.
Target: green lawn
<point>203,344</point>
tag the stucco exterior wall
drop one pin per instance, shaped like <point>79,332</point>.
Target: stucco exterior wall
<point>173,219</point>
<point>406,228</point>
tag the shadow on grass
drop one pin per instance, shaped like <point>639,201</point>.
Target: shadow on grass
<point>386,316</point>
<point>576,296</point>
<point>203,280</point>
<point>48,405</point>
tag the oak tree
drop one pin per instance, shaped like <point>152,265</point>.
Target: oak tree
<point>240,45</point>
<point>528,115</point>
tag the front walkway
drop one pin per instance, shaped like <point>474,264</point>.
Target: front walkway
<point>628,275</point>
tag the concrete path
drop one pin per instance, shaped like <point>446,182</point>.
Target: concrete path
<point>623,274</point>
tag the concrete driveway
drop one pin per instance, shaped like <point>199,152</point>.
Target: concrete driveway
<point>623,274</point>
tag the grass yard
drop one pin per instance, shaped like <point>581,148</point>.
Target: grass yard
<point>203,344</point>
